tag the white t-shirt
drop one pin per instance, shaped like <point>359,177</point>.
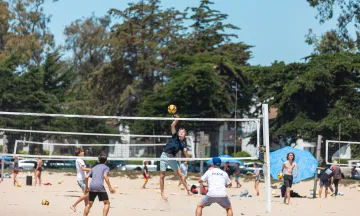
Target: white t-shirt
<point>217,180</point>
<point>80,173</point>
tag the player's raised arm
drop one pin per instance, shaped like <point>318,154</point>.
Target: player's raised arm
<point>173,129</point>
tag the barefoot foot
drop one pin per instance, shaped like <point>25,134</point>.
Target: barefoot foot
<point>73,208</point>
<point>164,197</point>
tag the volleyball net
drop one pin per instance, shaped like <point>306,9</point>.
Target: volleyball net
<point>57,136</point>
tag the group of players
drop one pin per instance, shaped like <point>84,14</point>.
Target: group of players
<point>217,180</point>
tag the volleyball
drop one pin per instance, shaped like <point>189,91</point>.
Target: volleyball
<point>280,176</point>
<point>172,109</point>
<point>44,202</point>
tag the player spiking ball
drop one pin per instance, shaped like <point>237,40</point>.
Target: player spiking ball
<point>176,144</point>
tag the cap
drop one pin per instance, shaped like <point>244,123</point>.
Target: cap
<point>216,161</point>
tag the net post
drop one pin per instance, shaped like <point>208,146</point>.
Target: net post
<point>318,148</point>
<point>258,135</point>
<point>15,146</point>
<point>3,155</point>
<point>327,151</point>
<point>265,112</point>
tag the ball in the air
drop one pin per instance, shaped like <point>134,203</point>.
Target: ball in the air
<point>280,176</point>
<point>172,109</point>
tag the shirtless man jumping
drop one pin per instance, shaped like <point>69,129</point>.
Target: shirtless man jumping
<point>289,167</point>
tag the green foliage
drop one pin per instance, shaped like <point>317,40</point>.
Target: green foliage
<point>91,162</point>
<point>241,154</point>
<point>135,162</point>
<point>46,152</point>
<point>22,152</point>
<point>312,98</point>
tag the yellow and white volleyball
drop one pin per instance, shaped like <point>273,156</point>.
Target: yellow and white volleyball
<point>115,186</point>
<point>19,185</point>
<point>280,176</point>
<point>45,202</point>
<point>172,109</point>
<point>60,181</point>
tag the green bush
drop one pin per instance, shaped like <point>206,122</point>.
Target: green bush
<point>135,162</point>
<point>23,152</point>
<point>91,162</point>
<point>241,154</point>
<point>46,152</point>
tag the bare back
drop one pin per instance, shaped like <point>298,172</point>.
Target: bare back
<point>289,167</point>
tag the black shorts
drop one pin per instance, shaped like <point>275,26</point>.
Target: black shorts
<point>325,182</point>
<point>102,196</point>
<point>288,180</point>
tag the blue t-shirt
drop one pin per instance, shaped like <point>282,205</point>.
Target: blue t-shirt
<point>97,175</point>
<point>174,145</point>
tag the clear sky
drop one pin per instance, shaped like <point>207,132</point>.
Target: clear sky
<point>276,28</point>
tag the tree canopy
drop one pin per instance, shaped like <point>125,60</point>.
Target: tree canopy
<point>137,60</point>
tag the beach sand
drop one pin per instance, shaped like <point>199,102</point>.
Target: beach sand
<point>129,199</point>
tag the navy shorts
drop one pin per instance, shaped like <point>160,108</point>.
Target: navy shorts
<point>325,183</point>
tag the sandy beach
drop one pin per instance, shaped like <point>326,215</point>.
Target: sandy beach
<point>129,199</point>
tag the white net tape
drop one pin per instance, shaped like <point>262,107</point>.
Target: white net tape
<point>125,159</point>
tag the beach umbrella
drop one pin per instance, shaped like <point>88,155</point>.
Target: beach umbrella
<point>306,163</point>
<point>226,158</point>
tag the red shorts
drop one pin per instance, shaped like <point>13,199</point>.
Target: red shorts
<point>16,171</point>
